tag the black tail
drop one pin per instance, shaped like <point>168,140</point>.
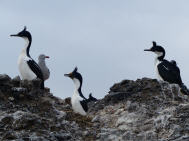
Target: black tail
<point>91,98</point>
<point>184,89</point>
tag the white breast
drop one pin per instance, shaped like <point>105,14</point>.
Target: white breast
<point>76,105</point>
<point>25,72</point>
<point>156,69</point>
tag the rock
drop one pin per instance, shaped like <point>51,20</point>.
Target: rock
<point>36,83</point>
<point>28,113</point>
<point>68,100</point>
<point>16,81</point>
<point>26,84</point>
<point>11,98</point>
<point>141,110</point>
<point>9,136</point>
<point>63,136</point>
<point>5,83</point>
<point>4,78</point>
<point>145,110</point>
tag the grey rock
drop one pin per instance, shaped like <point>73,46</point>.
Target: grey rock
<point>36,83</point>
<point>4,78</point>
<point>16,81</point>
<point>141,110</point>
<point>28,113</point>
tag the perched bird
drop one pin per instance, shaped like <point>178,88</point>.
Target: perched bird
<point>28,68</point>
<point>167,71</point>
<point>78,101</point>
<point>42,65</point>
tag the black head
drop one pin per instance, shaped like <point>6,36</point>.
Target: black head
<point>155,48</point>
<point>159,50</point>
<point>75,75</point>
<point>24,34</point>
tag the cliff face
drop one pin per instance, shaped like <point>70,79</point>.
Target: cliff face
<point>141,110</point>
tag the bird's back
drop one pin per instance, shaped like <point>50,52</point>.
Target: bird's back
<point>169,72</point>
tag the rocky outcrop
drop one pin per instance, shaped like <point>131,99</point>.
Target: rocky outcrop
<point>141,110</point>
<point>28,113</point>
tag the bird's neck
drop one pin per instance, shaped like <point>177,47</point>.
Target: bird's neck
<point>78,85</point>
<point>42,63</point>
<point>160,56</point>
<point>27,46</point>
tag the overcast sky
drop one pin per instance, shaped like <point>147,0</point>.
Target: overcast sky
<point>105,39</point>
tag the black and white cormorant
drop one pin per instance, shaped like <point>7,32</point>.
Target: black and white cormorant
<point>167,71</point>
<point>78,101</point>
<point>28,68</point>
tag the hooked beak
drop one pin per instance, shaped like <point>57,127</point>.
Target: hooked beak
<point>147,50</point>
<point>69,75</point>
<point>47,57</point>
<point>14,35</point>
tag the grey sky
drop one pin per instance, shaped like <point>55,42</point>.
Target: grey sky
<point>105,39</point>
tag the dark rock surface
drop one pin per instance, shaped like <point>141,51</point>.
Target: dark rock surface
<point>141,110</point>
<point>30,114</point>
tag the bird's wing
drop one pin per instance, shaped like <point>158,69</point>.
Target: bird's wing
<point>81,95</point>
<point>169,72</point>
<point>35,68</point>
<point>84,105</point>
